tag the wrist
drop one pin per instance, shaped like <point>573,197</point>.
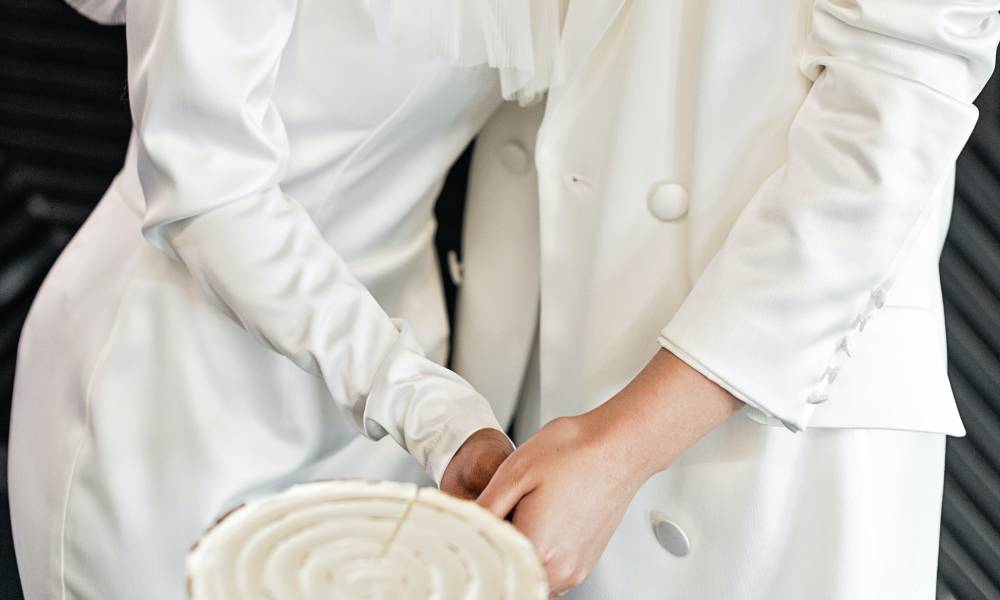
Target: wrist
<point>665,409</point>
<point>612,432</point>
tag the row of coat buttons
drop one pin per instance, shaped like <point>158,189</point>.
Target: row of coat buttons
<point>848,347</point>
<point>666,200</point>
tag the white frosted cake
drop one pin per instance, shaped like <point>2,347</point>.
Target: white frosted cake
<point>339,540</point>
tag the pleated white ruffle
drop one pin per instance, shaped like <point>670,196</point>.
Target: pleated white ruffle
<point>519,38</point>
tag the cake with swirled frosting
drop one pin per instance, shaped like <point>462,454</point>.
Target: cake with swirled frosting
<point>340,540</point>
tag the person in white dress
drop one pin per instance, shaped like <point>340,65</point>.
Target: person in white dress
<point>258,285</point>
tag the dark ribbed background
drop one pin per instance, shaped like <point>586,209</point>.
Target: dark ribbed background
<point>969,565</point>
<point>64,124</point>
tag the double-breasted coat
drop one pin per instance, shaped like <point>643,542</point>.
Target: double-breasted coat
<point>762,188</point>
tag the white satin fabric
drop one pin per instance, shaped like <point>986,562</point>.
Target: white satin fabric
<point>763,188</point>
<point>258,285</point>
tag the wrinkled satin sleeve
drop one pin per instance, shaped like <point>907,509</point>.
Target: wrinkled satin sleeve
<point>773,317</point>
<point>212,151</point>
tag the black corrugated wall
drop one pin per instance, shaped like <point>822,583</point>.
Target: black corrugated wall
<point>969,564</point>
<point>63,128</point>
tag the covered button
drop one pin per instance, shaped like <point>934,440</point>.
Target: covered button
<point>667,201</point>
<point>515,158</point>
<point>670,536</point>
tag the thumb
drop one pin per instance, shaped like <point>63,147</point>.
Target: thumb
<point>504,490</point>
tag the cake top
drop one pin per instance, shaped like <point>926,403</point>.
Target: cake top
<point>359,539</point>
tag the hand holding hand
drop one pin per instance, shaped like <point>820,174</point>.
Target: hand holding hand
<point>474,464</point>
<point>570,489</point>
<point>569,485</point>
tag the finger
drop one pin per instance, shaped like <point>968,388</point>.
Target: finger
<point>560,576</point>
<point>504,491</point>
<point>562,586</point>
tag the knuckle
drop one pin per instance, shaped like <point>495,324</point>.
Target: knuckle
<point>512,483</point>
<point>506,473</point>
<point>565,572</point>
<point>515,473</point>
<point>565,427</point>
<point>561,423</point>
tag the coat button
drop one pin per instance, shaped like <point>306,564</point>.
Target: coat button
<point>817,398</point>
<point>849,347</point>
<point>670,536</point>
<point>515,158</point>
<point>667,201</point>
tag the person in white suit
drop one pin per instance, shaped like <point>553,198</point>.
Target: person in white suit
<point>720,268</point>
<point>259,284</point>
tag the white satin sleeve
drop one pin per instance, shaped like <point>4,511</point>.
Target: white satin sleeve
<point>780,308</point>
<point>212,150</point>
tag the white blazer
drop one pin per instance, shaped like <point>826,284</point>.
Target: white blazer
<point>762,188</point>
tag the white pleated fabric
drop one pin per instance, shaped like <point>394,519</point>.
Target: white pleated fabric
<point>519,38</point>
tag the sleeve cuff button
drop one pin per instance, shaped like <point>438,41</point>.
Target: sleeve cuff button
<point>878,298</point>
<point>817,398</point>
<point>849,346</point>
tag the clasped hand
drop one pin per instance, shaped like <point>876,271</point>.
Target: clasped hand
<point>568,486</point>
<point>566,490</point>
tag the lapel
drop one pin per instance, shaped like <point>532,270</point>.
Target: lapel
<point>585,24</point>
